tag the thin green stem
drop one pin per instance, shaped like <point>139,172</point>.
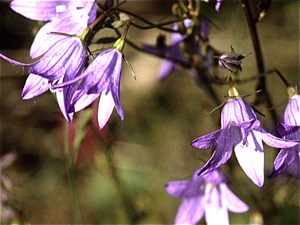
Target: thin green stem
<point>71,176</point>
<point>129,205</point>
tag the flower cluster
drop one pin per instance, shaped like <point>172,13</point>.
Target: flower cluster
<point>205,194</point>
<point>62,44</point>
<point>65,65</point>
<point>241,130</point>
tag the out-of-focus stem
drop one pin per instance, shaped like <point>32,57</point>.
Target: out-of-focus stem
<point>129,205</point>
<point>71,176</point>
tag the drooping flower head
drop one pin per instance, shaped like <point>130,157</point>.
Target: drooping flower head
<point>101,76</point>
<point>289,130</point>
<point>241,130</point>
<point>61,63</point>
<point>64,16</point>
<point>206,195</point>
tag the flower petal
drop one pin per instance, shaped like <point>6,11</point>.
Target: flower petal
<point>233,203</point>
<point>115,84</point>
<point>283,160</point>
<point>190,211</point>
<point>187,189</point>
<point>292,111</point>
<point>215,210</point>
<point>177,188</point>
<point>34,86</point>
<point>106,106</point>
<point>166,68</point>
<point>207,141</point>
<point>64,96</point>
<point>81,100</point>
<point>251,158</point>
<point>276,142</point>
<point>97,75</point>
<point>223,151</point>
<point>288,130</point>
<point>42,10</point>
<point>70,23</point>
<point>65,58</point>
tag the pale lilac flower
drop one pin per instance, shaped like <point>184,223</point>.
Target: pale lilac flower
<point>290,130</point>
<point>205,194</point>
<point>65,16</point>
<point>241,129</point>
<point>61,63</point>
<point>101,76</point>
<point>173,54</point>
<point>174,57</point>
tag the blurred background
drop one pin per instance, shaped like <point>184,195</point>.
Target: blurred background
<point>152,145</point>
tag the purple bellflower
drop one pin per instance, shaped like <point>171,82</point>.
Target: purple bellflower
<point>101,76</point>
<point>61,63</point>
<point>290,130</point>
<point>205,194</point>
<point>241,129</point>
<point>64,16</point>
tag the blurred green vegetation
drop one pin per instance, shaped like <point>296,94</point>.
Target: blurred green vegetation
<point>152,145</point>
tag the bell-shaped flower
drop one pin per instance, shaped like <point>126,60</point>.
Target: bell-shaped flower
<point>101,76</point>
<point>289,130</point>
<point>61,63</point>
<point>206,195</point>
<point>68,17</point>
<point>241,129</point>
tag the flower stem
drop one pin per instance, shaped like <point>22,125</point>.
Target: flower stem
<point>71,176</point>
<point>259,58</point>
<point>130,207</point>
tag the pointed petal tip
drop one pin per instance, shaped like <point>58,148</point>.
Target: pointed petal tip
<point>272,174</point>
